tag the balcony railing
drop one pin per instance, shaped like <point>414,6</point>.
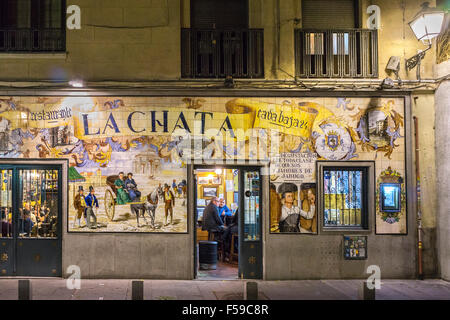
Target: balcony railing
<point>336,53</point>
<point>32,40</point>
<point>220,53</point>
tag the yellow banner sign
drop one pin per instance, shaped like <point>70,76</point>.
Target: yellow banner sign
<point>103,121</point>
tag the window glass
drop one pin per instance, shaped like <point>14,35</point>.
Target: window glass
<point>36,14</point>
<point>251,206</point>
<point>6,222</point>
<point>60,136</point>
<point>38,207</point>
<point>390,197</point>
<point>343,197</point>
<point>314,43</point>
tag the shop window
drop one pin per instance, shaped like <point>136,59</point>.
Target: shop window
<point>346,190</point>
<point>60,136</point>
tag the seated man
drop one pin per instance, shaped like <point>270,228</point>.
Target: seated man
<point>6,227</point>
<point>232,228</point>
<point>131,187</point>
<point>224,211</point>
<point>211,218</point>
<point>27,223</point>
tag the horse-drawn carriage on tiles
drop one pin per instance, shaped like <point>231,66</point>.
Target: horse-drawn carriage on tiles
<point>144,203</point>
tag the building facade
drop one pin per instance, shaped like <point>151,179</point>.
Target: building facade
<point>290,92</point>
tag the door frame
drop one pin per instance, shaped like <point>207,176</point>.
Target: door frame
<point>242,220</point>
<point>37,163</point>
<point>264,203</point>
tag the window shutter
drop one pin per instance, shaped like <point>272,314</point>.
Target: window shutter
<point>329,14</point>
<point>208,14</point>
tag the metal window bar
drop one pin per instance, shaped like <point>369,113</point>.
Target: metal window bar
<point>349,53</point>
<point>214,53</point>
<point>32,40</point>
<point>336,192</point>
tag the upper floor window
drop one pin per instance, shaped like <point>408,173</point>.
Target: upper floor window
<point>219,43</point>
<point>330,43</point>
<point>330,14</point>
<point>219,14</point>
<point>32,25</point>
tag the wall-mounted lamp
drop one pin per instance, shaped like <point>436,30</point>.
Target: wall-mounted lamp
<point>426,25</point>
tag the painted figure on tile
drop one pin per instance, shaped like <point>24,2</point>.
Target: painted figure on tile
<point>91,203</point>
<point>131,187</point>
<point>122,195</point>
<point>181,187</point>
<point>184,188</point>
<point>169,202</point>
<point>290,213</point>
<point>308,218</point>
<point>80,205</point>
<point>160,191</point>
<point>174,186</point>
<point>275,209</point>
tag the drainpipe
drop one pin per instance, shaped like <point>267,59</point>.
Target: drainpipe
<point>419,211</point>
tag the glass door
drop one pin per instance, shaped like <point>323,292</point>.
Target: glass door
<point>7,223</point>
<point>250,239</point>
<point>34,220</point>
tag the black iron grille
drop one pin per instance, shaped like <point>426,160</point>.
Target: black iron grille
<point>32,40</point>
<point>351,53</point>
<point>217,53</point>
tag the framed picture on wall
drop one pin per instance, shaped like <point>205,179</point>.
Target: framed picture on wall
<point>203,180</point>
<point>201,202</point>
<point>209,192</point>
<point>216,180</point>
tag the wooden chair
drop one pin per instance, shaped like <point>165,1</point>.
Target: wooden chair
<point>233,254</point>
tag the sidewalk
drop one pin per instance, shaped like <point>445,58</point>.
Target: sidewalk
<point>55,289</point>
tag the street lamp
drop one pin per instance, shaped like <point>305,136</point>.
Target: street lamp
<point>426,25</point>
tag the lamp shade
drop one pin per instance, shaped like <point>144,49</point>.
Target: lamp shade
<point>427,23</point>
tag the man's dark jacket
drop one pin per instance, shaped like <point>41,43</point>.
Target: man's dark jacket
<point>211,219</point>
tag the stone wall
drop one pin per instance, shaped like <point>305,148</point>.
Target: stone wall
<point>140,40</point>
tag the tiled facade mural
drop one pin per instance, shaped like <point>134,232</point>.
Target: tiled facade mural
<point>153,138</point>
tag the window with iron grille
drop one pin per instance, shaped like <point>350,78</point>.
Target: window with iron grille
<point>4,141</point>
<point>219,43</point>
<point>4,135</point>
<point>32,25</point>
<point>60,136</point>
<point>346,191</point>
<point>331,43</point>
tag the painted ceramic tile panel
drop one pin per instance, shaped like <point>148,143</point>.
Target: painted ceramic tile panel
<point>153,138</point>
